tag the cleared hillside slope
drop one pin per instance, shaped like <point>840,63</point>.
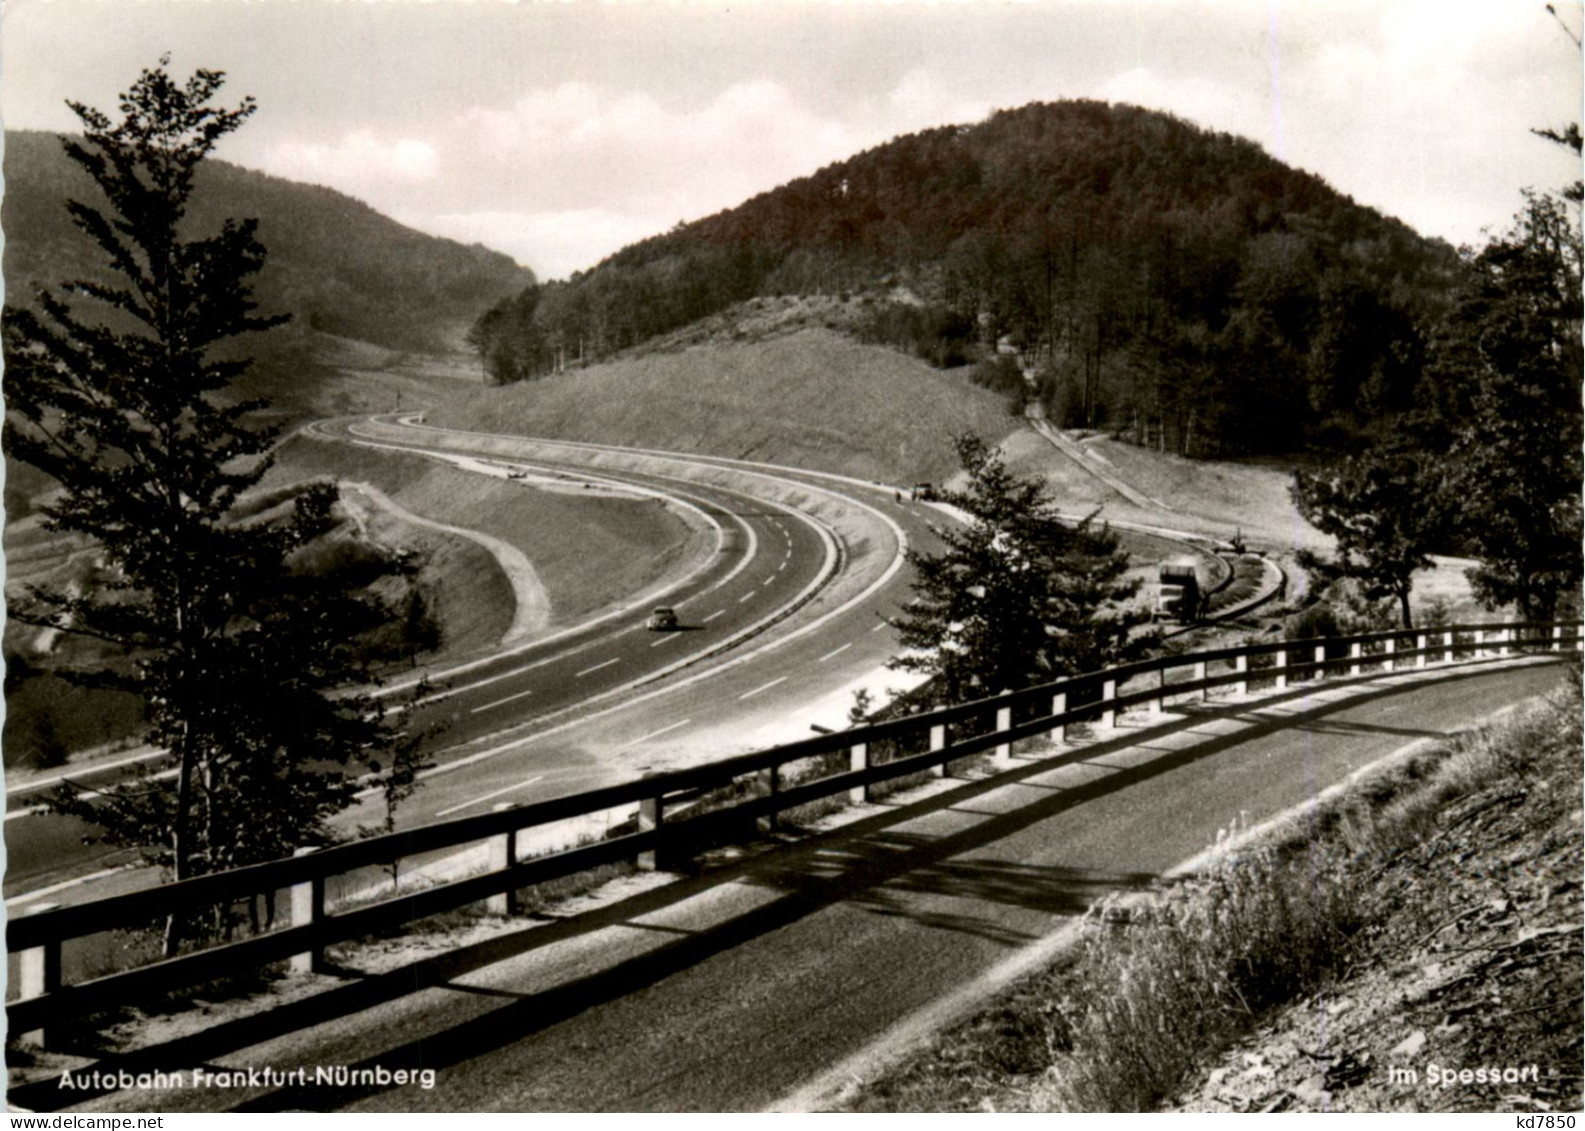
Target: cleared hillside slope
<point>810,399</point>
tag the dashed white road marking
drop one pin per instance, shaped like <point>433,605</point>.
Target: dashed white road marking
<point>652,734</point>
<point>77,881</point>
<point>498,702</point>
<point>712,616</point>
<point>667,639</point>
<point>765,687</point>
<point>597,667</point>
<point>745,597</point>
<point>491,795</point>
<point>835,652</point>
<point>879,627</point>
<point>97,767</point>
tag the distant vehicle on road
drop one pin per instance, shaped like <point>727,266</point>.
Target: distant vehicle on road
<point>1236,546</point>
<point>924,492</point>
<point>1178,595</point>
<point>662,620</point>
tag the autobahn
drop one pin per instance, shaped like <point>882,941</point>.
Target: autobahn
<point>738,987</point>
<point>788,608</point>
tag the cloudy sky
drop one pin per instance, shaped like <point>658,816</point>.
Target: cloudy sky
<point>557,132</point>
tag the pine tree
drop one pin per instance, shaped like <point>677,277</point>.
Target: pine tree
<point>1019,596</point>
<point>233,638</point>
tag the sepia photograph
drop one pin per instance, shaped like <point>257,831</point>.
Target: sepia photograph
<point>864,556</point>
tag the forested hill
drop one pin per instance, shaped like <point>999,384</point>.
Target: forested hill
<point>1167,281</point>
<point>334,263</point>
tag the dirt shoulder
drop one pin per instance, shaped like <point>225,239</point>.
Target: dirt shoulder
<point>1466,994</point>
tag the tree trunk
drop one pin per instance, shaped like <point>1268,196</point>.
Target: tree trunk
<point>184,797</point>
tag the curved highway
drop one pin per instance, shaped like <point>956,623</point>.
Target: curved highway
<point>743,986</point>
<point>788,608</point>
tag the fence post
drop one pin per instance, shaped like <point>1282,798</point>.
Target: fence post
<point>651,816</point>
<point>938,741</point>
<point>40,972</point>
<point>1282,662</point>
<point>1108,694</point>
<point>1353,654</point>
<point>1447,647</point>
<point>1059,707</point>
<point>1199,675</point>
<point>859,759</point>
<point>1159,703</point>
<point>503,854</point>
<point>1004,722</point>
<point>1557,638</point>
<point>1507,638</point>
<point>308,906</point>
<point>1241,665</point>
<point>1419,646</point>
<point>770,780</point>
<point>1320,661</point>
<point>1390,650</point>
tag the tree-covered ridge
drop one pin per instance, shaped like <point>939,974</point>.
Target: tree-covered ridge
<point>335,264</point>
<point>1166,280</point>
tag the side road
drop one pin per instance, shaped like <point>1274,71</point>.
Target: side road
<point>1037,420</point>
<point>731,988</point>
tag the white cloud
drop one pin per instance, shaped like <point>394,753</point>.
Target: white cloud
<point>580,147</point>
<point>1427,116</point>
<point>580,153</point>
<point>360,159</point>
<point>1194,98</point>
<point>920,100</point>
<point>554,244</point>
<point>1442,36</point>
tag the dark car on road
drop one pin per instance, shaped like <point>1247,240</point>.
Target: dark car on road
<point>662,620</point>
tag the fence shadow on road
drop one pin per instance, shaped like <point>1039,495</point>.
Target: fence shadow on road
<point>854,863</point>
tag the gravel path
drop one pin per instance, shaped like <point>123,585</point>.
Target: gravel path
<point>533,603</point>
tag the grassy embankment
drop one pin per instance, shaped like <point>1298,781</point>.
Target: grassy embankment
<point>588,549</point>
<point>1431,915</point>
<point>810,398</point>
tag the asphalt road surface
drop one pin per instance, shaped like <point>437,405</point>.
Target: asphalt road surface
<point>729,989</point>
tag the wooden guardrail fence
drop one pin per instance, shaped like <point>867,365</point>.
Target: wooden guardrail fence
<point>926,741</point>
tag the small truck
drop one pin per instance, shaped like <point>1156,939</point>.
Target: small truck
<point>1178,594</point>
